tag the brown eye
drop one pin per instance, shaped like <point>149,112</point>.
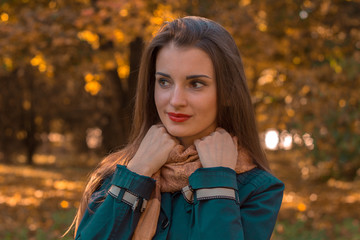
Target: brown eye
<point>163,82</point>
<point>196,84</point>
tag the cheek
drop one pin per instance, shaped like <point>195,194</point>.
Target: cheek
<point>213,110</point>
<point>211,103</point>
<point>160,99</point>
<point>156,96</point>
<point>206,107</point>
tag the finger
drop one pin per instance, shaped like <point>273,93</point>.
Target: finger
<point>221,130</point>
<point>177,142</point>
<point>161,128</point>
<point>151,130</point>
<point>235,140</point>
<point>159,125</point>
<point>153,127</point>
<point>174,139</point>
<point>204,138</point>
<point>216,131</point>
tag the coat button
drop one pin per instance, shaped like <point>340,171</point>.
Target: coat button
<point>165,223</point>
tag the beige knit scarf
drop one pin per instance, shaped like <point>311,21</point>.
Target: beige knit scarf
<point>172,177</point>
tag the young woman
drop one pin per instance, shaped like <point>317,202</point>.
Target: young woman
<point>194,167</point>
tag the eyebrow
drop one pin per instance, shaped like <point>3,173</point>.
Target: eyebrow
<point>187,77</point>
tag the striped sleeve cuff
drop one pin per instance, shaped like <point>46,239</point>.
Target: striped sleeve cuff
<point>137,184</point>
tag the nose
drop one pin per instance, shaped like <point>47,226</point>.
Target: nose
<point>178,97</point>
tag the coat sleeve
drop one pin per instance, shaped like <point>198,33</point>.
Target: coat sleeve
<point>110,217</point>
<point>260,209</point>
<point>251,216</point>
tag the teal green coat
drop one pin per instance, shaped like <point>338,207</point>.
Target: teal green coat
<point>252,216</point>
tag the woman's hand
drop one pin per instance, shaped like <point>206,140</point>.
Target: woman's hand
<point>153,151</point>
<point>218,149</point>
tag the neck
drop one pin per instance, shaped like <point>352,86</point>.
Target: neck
<point>186,142</point>
<point>189,140</point>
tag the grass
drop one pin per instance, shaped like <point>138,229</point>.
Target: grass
<point>61,221</point>
<point>348,229</point>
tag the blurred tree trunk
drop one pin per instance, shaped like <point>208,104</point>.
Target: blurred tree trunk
<point>6,128</point>
<point>29,116</point>
<point>113,130</point>
<point>136,48</point>
<point>116,132</point>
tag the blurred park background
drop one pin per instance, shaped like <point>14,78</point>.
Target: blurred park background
<point>68,72</point>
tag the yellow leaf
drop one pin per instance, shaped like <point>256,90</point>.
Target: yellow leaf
<point>89,77</point>
<point>50,71</point>
<point>342,103</point>
<point>8,63</point>
<point>244,2</point>
<point>52,4</point>
<point>38,120</point>
<point>92,87</point>
<point>119,35</point>
<point>262,27</point>
<point>42,67</point>
<point>305,89</point>
<point>109,65</point>
<point>4,17</point>
<point>296,60</point>
<point>262,117</point>
<point>26,105</point>
<point>64,204</point>
<point>90,37</point>
<point>290,112</point>
<point>123,12</point>
<point>123,71</point>
<point>35,61</point>
<point>21,135</point>
<point>301,207</point>
<point>288,99</point>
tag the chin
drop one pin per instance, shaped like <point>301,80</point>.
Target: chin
<point>176,131</point>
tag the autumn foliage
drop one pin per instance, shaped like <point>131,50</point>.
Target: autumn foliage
<point>67,66</point>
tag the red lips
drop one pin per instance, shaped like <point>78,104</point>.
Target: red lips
<point>178,117</point>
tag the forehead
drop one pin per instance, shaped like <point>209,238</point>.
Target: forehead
<point>189,60</point>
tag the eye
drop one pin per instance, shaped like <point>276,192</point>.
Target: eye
<point>163,82</point>
<point>196,84</point>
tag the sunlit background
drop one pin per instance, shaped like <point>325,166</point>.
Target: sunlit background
<point>68,71</point>
<point>284,140</point>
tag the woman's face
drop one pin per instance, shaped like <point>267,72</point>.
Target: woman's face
<point>185,92</point>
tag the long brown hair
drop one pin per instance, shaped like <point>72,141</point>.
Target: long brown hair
<point>235,110</point>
